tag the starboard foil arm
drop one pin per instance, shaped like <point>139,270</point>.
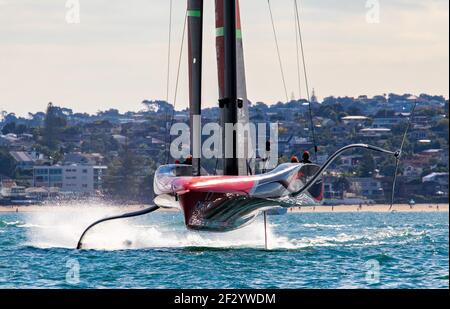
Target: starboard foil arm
<point>124,216</point>
<point>336,155</point>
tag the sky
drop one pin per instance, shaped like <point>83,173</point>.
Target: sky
<point>116,56</point>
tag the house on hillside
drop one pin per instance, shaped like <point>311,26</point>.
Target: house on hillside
<point>367,187</point>
<point>436,184</point>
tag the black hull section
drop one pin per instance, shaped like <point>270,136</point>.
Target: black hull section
<point>222,212</point>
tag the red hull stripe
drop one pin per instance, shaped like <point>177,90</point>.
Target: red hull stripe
<point>224,184</point>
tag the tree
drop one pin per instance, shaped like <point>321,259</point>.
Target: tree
<point>124,175</point>
<point>341,185</point>
<point>354,111</point>
<point>367,165</point>
<point>385,113</point>
<point>12,127</point>
<point>101,143</point>
<point>53,125</point>
<point>7,164</point>
<point>157,106</point>
<point>442,126</point>
<point>9,128</point>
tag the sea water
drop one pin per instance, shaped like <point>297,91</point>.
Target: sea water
<point>314,250</point>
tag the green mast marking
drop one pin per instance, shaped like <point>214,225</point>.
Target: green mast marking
<point>194,13</point>
<point>220,32</point>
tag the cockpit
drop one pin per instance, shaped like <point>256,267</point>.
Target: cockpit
<point>175,170</point>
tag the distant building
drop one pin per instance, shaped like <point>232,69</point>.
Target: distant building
<point>412,170</point>
<point>340,130</point>
<point>85,179</point>
<point>375,132</point>
<point>10,190</point>
<point>367,187</point>
<point>419,133</point>
<point>156,141</point>
<point>432,152</point>
<point>330,190</point>
<point>41,193</point>
<point>355,121</point>
<point>8,140</point>
<point>122,140</point>
<point>436,184</point>
<point>388,122</point>
<point>83,158</point>
<point>441,178</point>
<point>24,160</point>
<point>355,118</point>
<point>351,161</point>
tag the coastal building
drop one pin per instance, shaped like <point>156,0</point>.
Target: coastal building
<point>368,187</point>
<point>355,120</point>
<point>83,158</point>
<point>388,122</point>
<point>39,194</point>
<point>8,140</point>
<point>412,169</point>
<point>351,161</point>
<point>81,179</point>
<point>436,184</point>
<point>24,160</point>
<point>10,190</point>
<point>375,132</point>
<point>332,189</point>
<point>440,178</point>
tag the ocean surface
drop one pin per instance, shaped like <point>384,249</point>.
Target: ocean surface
<point>326,250</point>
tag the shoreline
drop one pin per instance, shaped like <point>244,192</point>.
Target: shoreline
<point>377,208</point>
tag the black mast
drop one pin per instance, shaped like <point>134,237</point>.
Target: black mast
<point>195,34</point>
<point>229,103</point>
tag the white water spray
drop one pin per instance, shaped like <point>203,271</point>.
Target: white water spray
<point>62,227</point>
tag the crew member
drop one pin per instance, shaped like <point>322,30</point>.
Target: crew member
<point>294,159</point>
<point>305,158</point>
<point>188,160</point>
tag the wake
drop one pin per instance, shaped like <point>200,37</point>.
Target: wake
<point>62,228</point>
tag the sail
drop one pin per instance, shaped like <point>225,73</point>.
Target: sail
<point>246,164</point>
<point>195,42</point>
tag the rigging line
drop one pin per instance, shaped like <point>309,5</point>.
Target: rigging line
<point>169,50</point>
<point>397,159</point>
<point>298,59</point>
<point>313,131</point>
<point>278,51</point>
<point>177,81</point>
<point>166,117</point>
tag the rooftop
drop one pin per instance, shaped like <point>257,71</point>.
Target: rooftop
<point>21,156</point>
<point>355,118</point>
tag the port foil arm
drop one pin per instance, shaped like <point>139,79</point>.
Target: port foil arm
<point>124,216</point>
